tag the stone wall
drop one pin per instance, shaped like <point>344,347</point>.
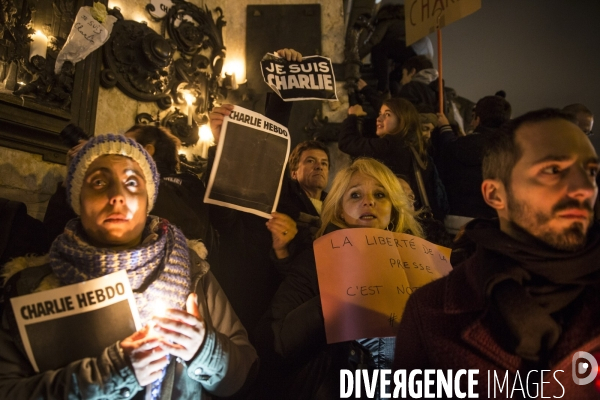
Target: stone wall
<point>26,177</point>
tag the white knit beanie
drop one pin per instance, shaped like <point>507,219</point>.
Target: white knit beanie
<point>110,144</point>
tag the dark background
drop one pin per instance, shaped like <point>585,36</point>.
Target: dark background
<point>542,53</point>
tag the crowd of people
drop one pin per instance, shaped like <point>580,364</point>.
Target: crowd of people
<point>513,198</point>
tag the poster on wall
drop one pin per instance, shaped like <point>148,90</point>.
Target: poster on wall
<point>311,79</point>
<point>249,164</point>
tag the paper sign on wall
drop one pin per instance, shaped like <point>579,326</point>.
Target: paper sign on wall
<point>366,276</point>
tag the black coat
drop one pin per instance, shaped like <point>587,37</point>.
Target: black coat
<point>459,164</point>
<point>295,203</point>
<point>291,340</point>
<point>246,270</point>
<point>445,326</point>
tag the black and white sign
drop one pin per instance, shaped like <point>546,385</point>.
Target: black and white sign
<point>159,8</point>
<point>311,79</point>
<point>66,324</point>
<point>250,162</point>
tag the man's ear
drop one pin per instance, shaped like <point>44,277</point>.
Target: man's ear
<point>494,194</point>
<point>150,149</point>
<point>294,175</point>
<point>476,122</point>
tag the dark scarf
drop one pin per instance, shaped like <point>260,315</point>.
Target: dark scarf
<point>526,284</point>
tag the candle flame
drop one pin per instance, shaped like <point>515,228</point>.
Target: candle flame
<point>205,134</point>
<point>189,98</point>
<point>159,308</point>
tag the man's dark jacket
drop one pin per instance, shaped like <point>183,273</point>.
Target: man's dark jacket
<point>446,326</point>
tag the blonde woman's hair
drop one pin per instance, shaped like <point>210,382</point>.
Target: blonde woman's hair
<point>403,216</point>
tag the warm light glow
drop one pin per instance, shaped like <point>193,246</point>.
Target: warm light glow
<point>205,134</point>
<point>39,45</point>
<point>139,18</point>
<point>189,98</point>
<point>237,67</point>
<point>113,4</point>
<point>159,308</point>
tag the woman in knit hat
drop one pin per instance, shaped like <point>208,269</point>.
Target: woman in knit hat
<point>199,346</point>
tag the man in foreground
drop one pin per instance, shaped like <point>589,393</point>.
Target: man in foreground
<point>526,300</point>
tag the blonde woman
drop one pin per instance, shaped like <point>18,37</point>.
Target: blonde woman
<point>364,195</point>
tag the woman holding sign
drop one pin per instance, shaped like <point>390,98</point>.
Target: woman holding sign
<point>364,195</point>
<point>399,144</point>
<point>195,345</point>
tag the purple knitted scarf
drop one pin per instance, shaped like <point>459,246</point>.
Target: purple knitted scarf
<point>158,269</point>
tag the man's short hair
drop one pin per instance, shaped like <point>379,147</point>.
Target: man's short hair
<point>294,161</point>
<point>502,150</point>
<point>576,109</point>
<point>417,63</point>
<point>492,111</point>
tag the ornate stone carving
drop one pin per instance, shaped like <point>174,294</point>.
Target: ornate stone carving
<point>136,58</point>
<point>140,61</point>
<point>14,32</point>
<point>35,78</point>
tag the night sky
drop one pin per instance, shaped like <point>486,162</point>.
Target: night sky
<point>541,52</point>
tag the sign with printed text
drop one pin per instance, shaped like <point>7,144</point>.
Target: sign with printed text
<point>311,79</point>
<point>249,164</point>
<point>159,8</point>
<point>366,276</point>
<point>421,16</point>
<point>66,324</point>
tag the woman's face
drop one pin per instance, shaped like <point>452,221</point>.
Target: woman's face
<point>114,202</point>
<point>366,203</point>
<point>387,122</point>
<point>426,129</point>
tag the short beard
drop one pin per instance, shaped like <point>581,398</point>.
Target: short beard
<point>570,239</point>
<point>525,219</point>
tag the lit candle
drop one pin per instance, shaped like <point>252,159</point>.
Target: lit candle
<point>159,309</point>
<point>206,139</point>
<point>39,45</point>
<point>189,98</point>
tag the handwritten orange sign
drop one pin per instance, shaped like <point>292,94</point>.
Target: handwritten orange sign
<point>366,276</point>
